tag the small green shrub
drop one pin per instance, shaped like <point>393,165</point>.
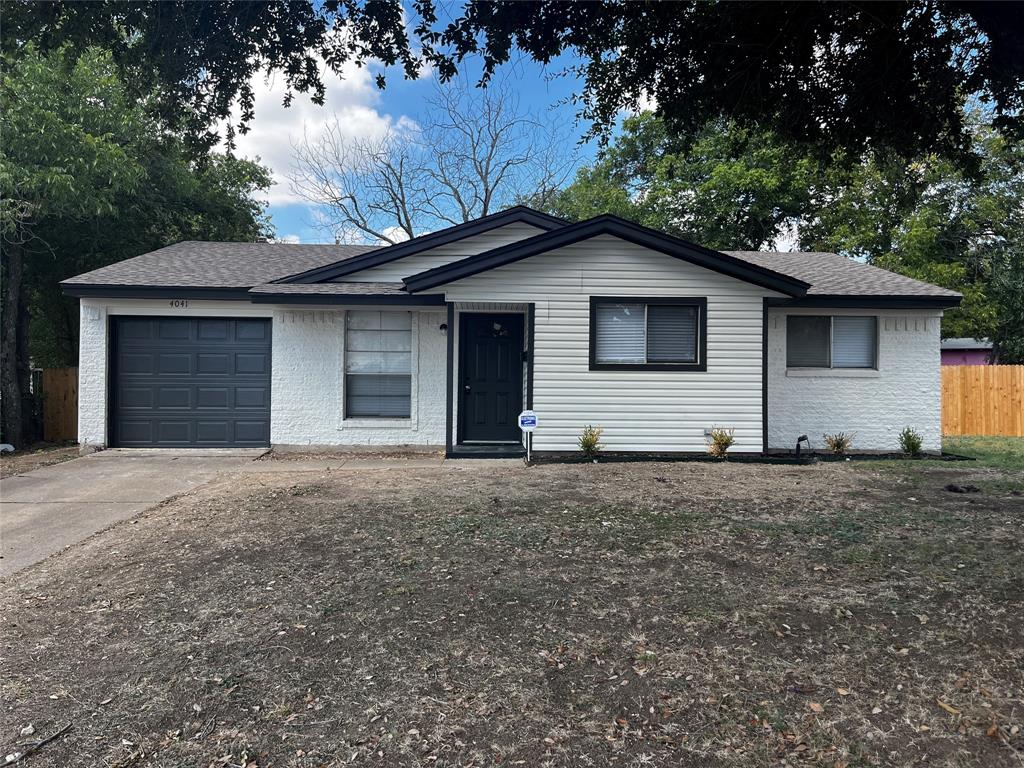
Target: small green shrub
<point>910,441</point>
<point>720,440</point>
<point>839,443</point>
<point>590,441</point>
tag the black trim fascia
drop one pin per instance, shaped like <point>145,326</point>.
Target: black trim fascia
<point>452,234</point>
<point>450,376</point>
<point>531,313</point>
<point>869,302</point>
<point>101,291</point>
<point>607,225</point>
<point>764,375</point>
<point>429,300</point>
<point>700,302</point>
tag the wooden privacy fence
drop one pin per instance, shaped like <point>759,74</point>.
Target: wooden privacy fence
<point>60,404</point>
<point>983,400</point>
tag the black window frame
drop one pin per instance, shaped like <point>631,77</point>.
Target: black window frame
<point>831,358</point>
<point>700,302</point>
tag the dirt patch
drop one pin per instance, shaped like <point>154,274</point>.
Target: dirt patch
<point>589,615</point>
<point>20,462</point>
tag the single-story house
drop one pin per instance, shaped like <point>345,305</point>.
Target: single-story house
<point>442,340</point>
<point>966,352</point>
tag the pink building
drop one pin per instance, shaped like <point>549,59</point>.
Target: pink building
<point>966,351</point>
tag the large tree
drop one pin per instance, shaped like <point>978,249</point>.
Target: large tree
<point>88,177</point>
<point>836,74</point>
<point>730,188</point>
<point>733,188</point>
<point>470,153</point>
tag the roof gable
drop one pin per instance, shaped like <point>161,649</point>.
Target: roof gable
<point>519,213</point>
<point>608,225</point>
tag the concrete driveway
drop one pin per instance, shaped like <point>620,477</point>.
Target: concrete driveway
<point>48,509</point>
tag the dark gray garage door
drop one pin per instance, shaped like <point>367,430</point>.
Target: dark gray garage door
<point>195,382</point>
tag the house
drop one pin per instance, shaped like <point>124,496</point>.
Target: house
<point>966,352</point>
<point>442,340</point>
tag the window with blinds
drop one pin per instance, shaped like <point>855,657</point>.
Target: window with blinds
<point>378,364</point>
<point>843,341</point>
<point>653,333</point>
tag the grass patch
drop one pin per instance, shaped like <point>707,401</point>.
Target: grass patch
<point>995,452</point>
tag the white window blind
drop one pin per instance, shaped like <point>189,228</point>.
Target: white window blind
<point>645,334</point>
<point>378,364</point>
<point>621,336</point>
<point>853,342</point>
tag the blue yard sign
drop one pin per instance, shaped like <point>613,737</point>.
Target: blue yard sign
<point>528,421</point>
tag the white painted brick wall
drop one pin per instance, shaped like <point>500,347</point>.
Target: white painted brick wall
<point>92,374</point>
<point>307,397</point>
<point>905,391</point>
<point>307,375</point>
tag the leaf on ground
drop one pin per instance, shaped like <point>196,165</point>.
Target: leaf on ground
<point>816,707</point>
<point>948,707</point>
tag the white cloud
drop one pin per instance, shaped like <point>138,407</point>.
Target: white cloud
<point>290,239</point>
<point>352,97</point>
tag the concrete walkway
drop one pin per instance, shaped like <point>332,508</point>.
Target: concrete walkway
<point>48,509</point>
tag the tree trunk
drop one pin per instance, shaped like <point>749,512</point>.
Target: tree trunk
<point>12,393</point>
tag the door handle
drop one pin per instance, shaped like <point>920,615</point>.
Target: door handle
<point>466,387</point>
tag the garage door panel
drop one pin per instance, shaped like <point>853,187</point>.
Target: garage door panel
<point>213,330</point>
<point>173,432</point>
<point>252,364</point>
<point>174,397</point>
<point>198,381</point>
<point>136,397</point>
<point>251,397</point>
<point>257,432</point>
<point>213,397</point>
<point>174,329</point>
<point>179,363</point>
<point>251,330</point>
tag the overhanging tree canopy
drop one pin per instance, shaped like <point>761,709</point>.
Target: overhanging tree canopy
<point>839,75</point>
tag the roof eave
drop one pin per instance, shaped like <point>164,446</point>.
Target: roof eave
<point>610,225</point>
<point>870,301</point>
<point>390,299</point>
<point>120,291</point>
<point>451,234</point>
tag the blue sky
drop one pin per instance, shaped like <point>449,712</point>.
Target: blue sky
<point>357,102</point>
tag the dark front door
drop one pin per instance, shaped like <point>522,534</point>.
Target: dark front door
<point>491,377</point>
<point>190,382</point>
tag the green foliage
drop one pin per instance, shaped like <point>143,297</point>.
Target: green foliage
<point>719,441</point>
<point>910,441</point>
<point>732,189</point>
<point>838,75</point>
<point>936,222</point>
<point>590,441</point>
<point>737,189</point>
<point>838,443</point>
<point>89,178</point>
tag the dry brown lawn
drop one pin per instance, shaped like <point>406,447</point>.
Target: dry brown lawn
<point>662,614</point>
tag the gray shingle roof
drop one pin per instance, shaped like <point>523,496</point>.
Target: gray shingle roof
<point>331,289</point>
<point>253,265</point>
<point>833,275</point>
<point>217,265</point>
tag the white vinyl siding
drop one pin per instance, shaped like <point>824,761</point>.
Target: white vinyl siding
<point>646,410</point>
<point>394,271</point>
